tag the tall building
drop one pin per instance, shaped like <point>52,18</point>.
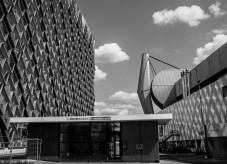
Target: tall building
<point>46,62</point>
<point>197,99</point>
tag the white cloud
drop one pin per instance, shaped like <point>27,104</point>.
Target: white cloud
<point>100,104</point>
<point>219,31</point>
<point>111,111</point>
<point>122,103</point>
<point>102,108</point>
<point>216,10</point>
<point>203,52</point>
<point>125,97</point>
<point>99,74</point>
<point>110,53</point>
<point>191,15</point>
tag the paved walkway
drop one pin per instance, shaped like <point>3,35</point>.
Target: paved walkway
<point>180,158</point>
<point>188,158</point>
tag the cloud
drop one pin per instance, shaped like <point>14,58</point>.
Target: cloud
<point>121,103</point>
<point>190,15</point>
<point>99,74</point>
<point>219,31</point>
<point>110,53</point>
<point>102,108</point>
<point>100,104</point>
<point>124,97</point>
<point>216,10</point>
<point>203,52</point>
<point>111,111</point>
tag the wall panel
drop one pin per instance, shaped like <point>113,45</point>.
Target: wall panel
<point>193,78</point>
<point>214,61</point>
<point>223,56</point>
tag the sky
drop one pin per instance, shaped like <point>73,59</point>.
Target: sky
<point>179,32</point>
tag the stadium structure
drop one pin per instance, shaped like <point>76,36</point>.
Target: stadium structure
<point>46,62</point>
<point>197,98</point>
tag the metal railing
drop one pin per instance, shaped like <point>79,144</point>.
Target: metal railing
<point>29,148</point>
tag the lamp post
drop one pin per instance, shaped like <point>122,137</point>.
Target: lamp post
<point>203,122</point>
<point>177,131</point>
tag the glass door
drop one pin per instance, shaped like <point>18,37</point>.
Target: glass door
<point>74,142</point>
<point>114,145</point>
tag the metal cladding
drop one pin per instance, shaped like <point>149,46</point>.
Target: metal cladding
<point>170,86</point>
<point>144,83</point>
<point>208,71</point>
<point>46,61</point>
<point>159,88</point>
<point>163,87</point>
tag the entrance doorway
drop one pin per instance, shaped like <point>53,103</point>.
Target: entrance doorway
<point>114,150</point>
<point>85,142</point>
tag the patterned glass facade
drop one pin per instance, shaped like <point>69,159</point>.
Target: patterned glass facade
<point>46,61</point>
<point>202,115</point>
<point>196,98</point>
<point>207,107</point>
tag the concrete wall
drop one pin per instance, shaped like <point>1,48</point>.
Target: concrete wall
<point>217,147</point>
<point>145,133</point>
<point>133,133</point>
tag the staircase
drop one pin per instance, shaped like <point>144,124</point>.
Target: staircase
<point>172,133</point>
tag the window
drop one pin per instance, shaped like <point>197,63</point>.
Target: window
<point>224,91</point>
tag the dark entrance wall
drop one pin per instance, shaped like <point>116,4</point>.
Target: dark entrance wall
<point>49,133</point>
<point>217,147</point>
<point>135,133</point>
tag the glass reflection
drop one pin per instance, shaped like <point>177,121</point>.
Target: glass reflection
<point>96,141</point>
<point>74,137</point>
<point>113,127</point>
<point>98,127</point>
<point>78,127</point>
<point>98,137</point>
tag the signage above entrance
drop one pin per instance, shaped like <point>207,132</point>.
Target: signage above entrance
<point>100,118</point>
<point>87,118</point>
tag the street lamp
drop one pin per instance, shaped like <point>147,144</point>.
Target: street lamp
<point>178,133</point>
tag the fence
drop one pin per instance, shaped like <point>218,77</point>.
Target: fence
<point>34,148</point>
<point>29,148</point>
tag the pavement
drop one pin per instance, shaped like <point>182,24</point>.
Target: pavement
<point>165,158</point>
<point>188,158</point>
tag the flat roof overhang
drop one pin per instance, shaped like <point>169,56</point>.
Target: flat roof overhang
<point>162,119</point>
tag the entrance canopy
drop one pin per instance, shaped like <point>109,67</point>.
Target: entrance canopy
<point>162,119</point>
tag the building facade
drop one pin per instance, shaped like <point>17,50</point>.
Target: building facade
<point>197,99</point>
<point>46,62</point>
<point>96,138</point>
